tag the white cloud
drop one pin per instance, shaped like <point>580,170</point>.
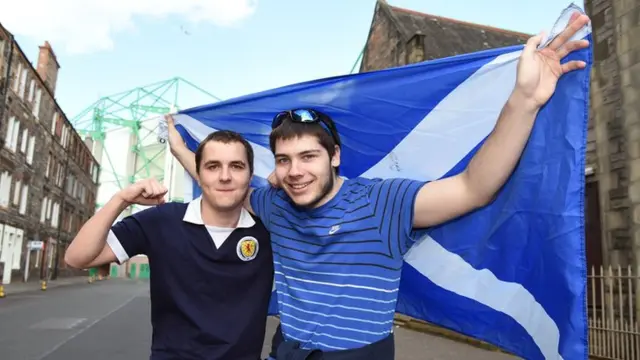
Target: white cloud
<point>82,26</point>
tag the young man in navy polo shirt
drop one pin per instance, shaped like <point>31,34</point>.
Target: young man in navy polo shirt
<point>211,260</point>
<point>339,244</point>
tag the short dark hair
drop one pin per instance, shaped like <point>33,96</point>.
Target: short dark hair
<point>225,137</point>
<point>292,129</point>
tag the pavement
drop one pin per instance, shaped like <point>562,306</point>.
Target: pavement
<point>17,287</point>
<point>110,319</point>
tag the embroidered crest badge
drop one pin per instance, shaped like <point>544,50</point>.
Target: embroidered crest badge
<point>247,248</point>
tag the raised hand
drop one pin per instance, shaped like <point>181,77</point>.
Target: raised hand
<point>175,140</point>
<point>539,70</point>
<point>144,192</point>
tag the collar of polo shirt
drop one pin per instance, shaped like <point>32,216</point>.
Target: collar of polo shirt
<point>194,215</point>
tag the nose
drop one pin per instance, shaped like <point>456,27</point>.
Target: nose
<point>225,174</point>
<point>295,170</point>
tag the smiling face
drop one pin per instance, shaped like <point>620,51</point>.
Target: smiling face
<point>305,170</point>
<point>224,171</point>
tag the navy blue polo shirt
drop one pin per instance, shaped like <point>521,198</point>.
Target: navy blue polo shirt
<point>209,299</point>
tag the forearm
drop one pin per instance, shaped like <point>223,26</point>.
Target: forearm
<point>186,158</point>
<point>90,241</point>
<point>494,162</point>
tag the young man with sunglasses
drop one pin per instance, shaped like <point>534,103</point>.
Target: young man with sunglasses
<point>338,244</point>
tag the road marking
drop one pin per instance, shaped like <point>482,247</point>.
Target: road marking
<point>87,327</point>
<point>58,323</point>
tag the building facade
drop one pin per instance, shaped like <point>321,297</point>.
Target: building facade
<point>613,152</point>
<point>400,36</point>
<point>48,177</point>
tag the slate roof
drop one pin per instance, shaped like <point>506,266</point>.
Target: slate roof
<point>447,37</point>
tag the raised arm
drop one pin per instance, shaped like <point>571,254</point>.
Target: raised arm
<point>179,149</point>
<point>538,74</point>
<point>89,248</point>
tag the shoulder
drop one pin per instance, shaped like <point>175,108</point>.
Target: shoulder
<point>362,185</point>
<point>377,189</point>
<point>266,191</point>
<point>265,196</point>
<point>258,225</point>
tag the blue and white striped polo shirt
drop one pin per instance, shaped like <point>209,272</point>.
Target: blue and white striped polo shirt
<point>337,267</point>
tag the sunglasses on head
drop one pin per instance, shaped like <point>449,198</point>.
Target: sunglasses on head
<point>306,116</point>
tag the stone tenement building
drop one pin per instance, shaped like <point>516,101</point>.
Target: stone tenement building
<point>613,191</point>
<point>48,177</point>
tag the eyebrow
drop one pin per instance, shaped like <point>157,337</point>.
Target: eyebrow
<point>235,162</point>
<point>306,152</point>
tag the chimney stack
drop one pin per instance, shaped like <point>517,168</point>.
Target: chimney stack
<point>48,66</point>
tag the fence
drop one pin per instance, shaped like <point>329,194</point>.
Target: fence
<point>614,311</point>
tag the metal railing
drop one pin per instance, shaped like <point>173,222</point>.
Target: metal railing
<point>614,310</point>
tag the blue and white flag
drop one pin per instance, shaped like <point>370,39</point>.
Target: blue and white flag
<point>513,273</point>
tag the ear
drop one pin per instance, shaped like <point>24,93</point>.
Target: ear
<point>335,160</point>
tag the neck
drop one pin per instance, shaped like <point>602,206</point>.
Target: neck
<point>221,218</point>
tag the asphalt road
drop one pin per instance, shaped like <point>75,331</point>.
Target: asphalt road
<point>110,320</point>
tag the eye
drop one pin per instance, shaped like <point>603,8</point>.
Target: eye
<point>308,157</point>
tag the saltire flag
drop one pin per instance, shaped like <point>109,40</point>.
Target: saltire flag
<point>512,273</point>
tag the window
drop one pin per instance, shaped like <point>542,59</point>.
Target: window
<point>14,137</point>
<point>36,105</point>
<point>83,194</point>
<point>48,208</point>
<point>25,138</point>
<point>59,124</point>
<point>59,176</point>
<point>46,174</point>
<point>5,188</point>
<point>69,186</point>
<point>32,89</point>
<point>23,200</point>
<point>16,79</point>
<point>65,136</point>
<point>31,149</point>
<point>43,209</point>
<point>11,140</point>
<point>9,136</point>
<point>54,122</point>
<point>55,214</point>
<point>16,193</point>
<point>23,83</point>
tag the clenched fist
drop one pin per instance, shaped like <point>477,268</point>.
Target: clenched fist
<point>144,192</point>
